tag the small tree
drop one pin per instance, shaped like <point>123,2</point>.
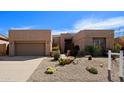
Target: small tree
<point>117,47</point>
<point>56,55</point>
<point>56,52</point>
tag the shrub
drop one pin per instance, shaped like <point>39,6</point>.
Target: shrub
<point>50,70</point>
<point>117,47</point>
<point>55,52</point>
<point>92,70</point>
<point>98,51</point>
<point>94,51</point>
<point>64,61</point>
<point>56,55</point>
<point>89,50</point>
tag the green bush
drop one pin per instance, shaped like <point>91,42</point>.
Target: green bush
<point>98,51</point>
<point>92,70</point>
<point>94,51</point>
<point>89,50</point>
<point>117,48</point>
<point>50,70</point>
<point>56,55</point>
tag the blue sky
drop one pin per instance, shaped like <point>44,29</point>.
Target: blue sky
<point>62,21</point>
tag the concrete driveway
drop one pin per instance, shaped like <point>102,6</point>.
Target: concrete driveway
<point>18,68</point>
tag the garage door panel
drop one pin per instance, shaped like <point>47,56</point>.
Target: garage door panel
<point>30,49</point>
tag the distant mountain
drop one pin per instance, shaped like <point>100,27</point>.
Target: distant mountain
<point>120,40</point>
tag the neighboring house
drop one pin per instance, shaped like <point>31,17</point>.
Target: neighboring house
<point>40,42</point>
<point>103,38</point>
<point>3,44</point>
<point>30,42</point>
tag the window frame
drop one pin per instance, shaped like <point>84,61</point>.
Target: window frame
<point>100,41</point>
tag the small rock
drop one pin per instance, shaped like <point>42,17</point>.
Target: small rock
<point>90,58</point>
<point>101,65</point>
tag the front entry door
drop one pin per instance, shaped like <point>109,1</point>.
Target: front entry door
<point>68,45</point>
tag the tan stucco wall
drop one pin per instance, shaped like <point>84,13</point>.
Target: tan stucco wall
<point>85,37</point>
<point>56,40</point>
<point>30,35</point>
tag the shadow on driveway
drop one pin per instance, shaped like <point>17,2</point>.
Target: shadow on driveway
<point>18,58</point>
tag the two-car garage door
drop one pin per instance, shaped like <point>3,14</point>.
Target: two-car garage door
<point>29,49</point>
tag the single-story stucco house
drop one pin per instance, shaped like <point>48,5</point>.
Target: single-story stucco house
<point>83,38</point>
<point>39,42</point>
<point>3,44</point>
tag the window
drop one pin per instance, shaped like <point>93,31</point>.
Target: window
<point>99,42</point>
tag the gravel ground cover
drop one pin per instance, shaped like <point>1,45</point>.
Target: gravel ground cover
<point>74,73</point>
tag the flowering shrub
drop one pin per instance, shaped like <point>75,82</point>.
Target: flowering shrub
<point>65,60</point>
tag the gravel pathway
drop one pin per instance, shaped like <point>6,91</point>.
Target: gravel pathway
<point>74,73</point>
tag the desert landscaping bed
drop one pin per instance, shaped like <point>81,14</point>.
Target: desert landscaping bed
<point>74,72</point>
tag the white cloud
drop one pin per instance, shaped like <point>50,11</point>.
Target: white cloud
<point>119,31</point>
<point>96,23</point>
